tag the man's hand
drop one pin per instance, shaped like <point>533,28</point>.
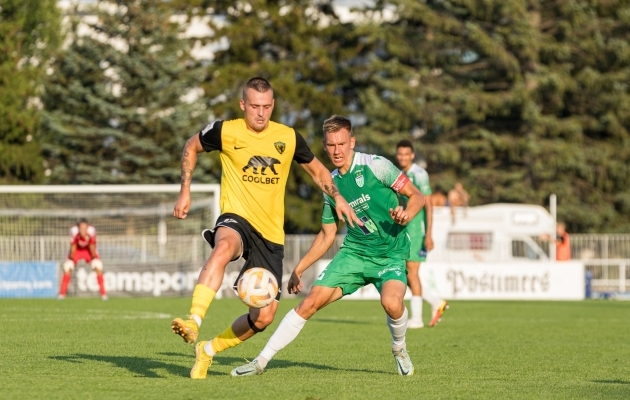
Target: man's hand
<point>399,215</point>
<point>428,243</point>
<point>182,205</point>
<point>295,283</point>
<point>344,211</point>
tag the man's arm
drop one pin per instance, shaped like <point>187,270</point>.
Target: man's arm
<point>320,246</point>
<point>92,249</point>
<point>428,208</point>
<point>189,160</point>
<point>73,249</point>
<point>452,200</point>
<point>321,176</point>
<point>414,205</point>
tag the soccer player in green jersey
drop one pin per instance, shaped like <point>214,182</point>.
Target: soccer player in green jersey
<point>374,253</point>
<point>420,232</point>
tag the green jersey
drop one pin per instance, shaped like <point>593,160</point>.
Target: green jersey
<point>420,178</point>
<point>370,187</point>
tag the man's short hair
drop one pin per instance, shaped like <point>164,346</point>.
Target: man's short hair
<point>257,83</point>
<point>82,221</point>
<point>405,143</point>
<point>337,123</point>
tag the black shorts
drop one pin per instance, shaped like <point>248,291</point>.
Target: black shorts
<point>257,251</point>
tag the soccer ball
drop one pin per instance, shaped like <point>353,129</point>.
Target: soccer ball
<point>257,287</point>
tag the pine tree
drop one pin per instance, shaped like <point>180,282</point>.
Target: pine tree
<point>507,97</point>
<point>114,108</point>
<point>29,32</point>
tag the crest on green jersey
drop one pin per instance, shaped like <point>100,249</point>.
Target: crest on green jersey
<point>280,146</point>
<point>358,178</point>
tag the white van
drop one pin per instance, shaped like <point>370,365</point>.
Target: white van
<point>493,232</point>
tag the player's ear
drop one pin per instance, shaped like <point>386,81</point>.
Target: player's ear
<point>352,142</point>
<point>242,104</point>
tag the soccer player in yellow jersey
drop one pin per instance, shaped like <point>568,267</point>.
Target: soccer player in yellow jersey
<point>256,156</point>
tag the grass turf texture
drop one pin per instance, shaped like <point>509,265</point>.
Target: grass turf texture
<point>123,348</point>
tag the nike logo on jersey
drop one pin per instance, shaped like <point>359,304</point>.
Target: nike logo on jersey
<point>238,148</point>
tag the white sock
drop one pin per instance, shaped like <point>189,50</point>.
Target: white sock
<point>208,349</point>
<point>197,319</point>
<point>287,331</point>
<point>398,328</point>
<point>416,308</point>
<point>432,298</point>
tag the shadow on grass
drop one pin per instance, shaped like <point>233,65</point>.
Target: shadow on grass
<point>146,367</point>
<point>140,366</point>
<point>612,381</point>
<point>173,354</point>
<point>279,364</point>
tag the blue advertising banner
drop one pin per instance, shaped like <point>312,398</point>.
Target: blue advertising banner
<point>28,279</point>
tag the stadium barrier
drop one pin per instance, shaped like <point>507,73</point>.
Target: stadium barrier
<point>28,279</point>
<point>187,253</point>
<point>494,281</point>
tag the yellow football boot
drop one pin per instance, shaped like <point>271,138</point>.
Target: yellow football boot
<point>188,329</point>
<point>202,362</point>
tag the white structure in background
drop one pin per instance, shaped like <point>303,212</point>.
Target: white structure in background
<point>490,253</point>
<point>494,232</point>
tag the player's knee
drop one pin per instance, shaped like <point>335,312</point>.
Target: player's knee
<point>97,265</point>
<point>259,321</point>
<point>308,307</point>
<point>393,306</point>
<point>68,266</point>
<point>226,246</point>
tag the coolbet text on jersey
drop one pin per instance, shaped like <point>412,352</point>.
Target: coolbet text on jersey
<point>255,171</point>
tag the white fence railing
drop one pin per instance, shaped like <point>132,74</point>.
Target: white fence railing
<point>609,275</point>
<point>606,257</point>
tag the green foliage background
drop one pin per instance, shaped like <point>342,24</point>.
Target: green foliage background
<point>517,99</point>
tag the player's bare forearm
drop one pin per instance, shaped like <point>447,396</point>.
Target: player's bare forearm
<point>189,160</point>
<point>73,249</point>
<point>416,200</point>
<point>321,176</point>
<point>323,241</point>
<point>92,248</point>
<point>428,207</point>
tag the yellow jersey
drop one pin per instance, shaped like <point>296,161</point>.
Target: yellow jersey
<point>255,170</point>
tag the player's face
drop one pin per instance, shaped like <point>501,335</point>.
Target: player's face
<point>258,108</point>
<point>405,156</point>
<point>83,229</point>
<point>340,147</point>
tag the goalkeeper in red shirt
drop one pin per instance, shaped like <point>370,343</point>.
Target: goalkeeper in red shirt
<point>82,247</point>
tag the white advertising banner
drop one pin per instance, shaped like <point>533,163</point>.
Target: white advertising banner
<point>495,280</point>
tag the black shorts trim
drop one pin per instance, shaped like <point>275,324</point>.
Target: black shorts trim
<point>257,251</point>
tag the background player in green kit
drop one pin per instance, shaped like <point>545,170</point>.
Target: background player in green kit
<point>373,253</point>
<point>420,232</point>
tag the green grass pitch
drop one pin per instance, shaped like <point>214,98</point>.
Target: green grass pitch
<point>123,349</point>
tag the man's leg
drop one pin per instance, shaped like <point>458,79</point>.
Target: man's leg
<point>97,266</point>
<point>392,294</point>
<point>290,327</point>
<point>413,281</point>
<point>243,328</point>
<point>227,247</point>
<point>68,266</point>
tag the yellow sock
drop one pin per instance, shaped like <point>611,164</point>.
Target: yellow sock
<point>225,340</point>
<point>202,297</point>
